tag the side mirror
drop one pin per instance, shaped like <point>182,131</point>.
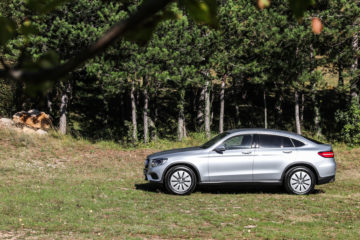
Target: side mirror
<point>220,149</point>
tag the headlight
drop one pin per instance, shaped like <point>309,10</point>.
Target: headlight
<point>158,161</point>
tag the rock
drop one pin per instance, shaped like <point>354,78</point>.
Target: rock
<point>33,118</point>
<point>28,130</point>
<point>41,132</point>
<point>6,122</point>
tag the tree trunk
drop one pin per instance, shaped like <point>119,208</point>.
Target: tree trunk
<point>181,117</point>
<point>314,93</point>
<point>222,105</point>
<point>317,118</point>
<point>154,133</point>
<point>200,109</point>
<point>302,109</point>
<point>278,106</point>
<point>153,130</point>
<point>237,91</point>
<point>207,109</point>
<point>63,109</point>
<point>49,104</point>
<point>133,112</point>
<point>354,91</point>
<point>297,113</point>
<point>265,112</point>
<point>180,126</point>
<point>145,111</point>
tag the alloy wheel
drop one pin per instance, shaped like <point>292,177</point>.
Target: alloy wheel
<point>300,181</point>
<point>180,181</point>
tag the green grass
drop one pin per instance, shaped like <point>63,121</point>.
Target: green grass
<point>61,188</point>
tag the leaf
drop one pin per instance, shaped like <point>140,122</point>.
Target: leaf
<point>36,87</point>
<point>27,28</point>
<point>142,33</point>
<point>48,60</point>
<point>202,11</point>
<point>263,4</point>
<point>300,6</point>
<point>44,6</point>
<point>7,30</point>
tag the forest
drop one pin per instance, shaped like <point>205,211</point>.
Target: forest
<point>253,68</point>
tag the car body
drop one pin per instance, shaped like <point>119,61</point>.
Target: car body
<point>247,156</point>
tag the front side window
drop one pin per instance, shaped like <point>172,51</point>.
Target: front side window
<point>273,141</point>
<point>214,140</point>
<point>238,142</point>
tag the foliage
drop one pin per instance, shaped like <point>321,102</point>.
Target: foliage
<point>257,51</point>
<point>350,120</point>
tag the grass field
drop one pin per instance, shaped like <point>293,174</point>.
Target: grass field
<point>60,188</point>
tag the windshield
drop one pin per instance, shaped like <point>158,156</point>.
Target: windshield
<point>214,140</point>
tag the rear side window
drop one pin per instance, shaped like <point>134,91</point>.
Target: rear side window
<point>297,143</point>
<point>238,142</point>
<point>273,141</point>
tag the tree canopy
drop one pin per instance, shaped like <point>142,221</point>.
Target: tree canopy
<point>266,64</point>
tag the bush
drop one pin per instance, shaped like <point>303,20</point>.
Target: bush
<point>6,97</point>
<point>350,121</point>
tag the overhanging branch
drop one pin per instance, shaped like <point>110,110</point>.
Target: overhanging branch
<point>146,10</point>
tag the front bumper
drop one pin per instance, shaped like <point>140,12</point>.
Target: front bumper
<point>145,173</point>
<point>152,174</point>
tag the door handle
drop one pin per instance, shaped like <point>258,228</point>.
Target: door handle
<point>289,151</point>
<point>247,152</point>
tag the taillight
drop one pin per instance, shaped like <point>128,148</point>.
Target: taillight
<point>326,154</point>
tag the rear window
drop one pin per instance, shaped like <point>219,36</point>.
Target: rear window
<point>273,141</point>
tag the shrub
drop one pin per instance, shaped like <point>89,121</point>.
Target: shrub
<point>350,121</point>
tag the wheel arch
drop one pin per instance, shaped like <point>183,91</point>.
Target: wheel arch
<point>301,164</point>
<point>189,165</point>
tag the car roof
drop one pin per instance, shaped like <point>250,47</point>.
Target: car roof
<point>264,130</point>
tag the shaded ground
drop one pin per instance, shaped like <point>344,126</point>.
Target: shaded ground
<point>66,189</point>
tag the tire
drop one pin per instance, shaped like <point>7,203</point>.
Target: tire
<point>299,180</point>
<point>180,180</point>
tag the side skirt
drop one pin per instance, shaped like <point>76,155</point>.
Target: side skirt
<point>242,183</point>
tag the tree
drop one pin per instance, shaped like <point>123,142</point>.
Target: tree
<point>182,58</point>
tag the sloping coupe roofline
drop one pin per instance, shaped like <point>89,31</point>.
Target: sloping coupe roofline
<point>264,130</point>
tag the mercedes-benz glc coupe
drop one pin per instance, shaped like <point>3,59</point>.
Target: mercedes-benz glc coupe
<point>245,156</point>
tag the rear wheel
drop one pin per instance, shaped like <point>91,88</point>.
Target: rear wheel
<point>299,180</point>
<point>180,180</point>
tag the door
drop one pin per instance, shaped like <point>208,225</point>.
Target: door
<point>272,155</point>
<point>235,163</point>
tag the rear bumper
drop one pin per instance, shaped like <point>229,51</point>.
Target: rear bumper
<point>324,180</point>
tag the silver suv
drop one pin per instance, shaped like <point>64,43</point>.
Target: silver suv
<point>247,156</point>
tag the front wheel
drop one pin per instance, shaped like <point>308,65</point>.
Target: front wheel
<point>180,180</point>
<point>299,180</point>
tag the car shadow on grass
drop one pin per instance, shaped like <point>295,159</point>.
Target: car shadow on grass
<point>225,189</point>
